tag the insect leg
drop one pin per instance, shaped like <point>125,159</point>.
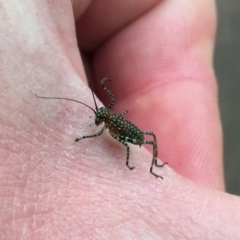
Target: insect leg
<point>122,140</point>
<point>123,113</point>
<point>108,92</point>
<point>91,136</point>
<point>155,153</point>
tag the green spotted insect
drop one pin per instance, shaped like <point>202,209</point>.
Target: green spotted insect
<point>119,128</point>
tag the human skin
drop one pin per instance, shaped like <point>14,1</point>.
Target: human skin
<point>159,57</point>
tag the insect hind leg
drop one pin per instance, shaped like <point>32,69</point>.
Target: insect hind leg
<point>155,153</point>
<point>121,140</point>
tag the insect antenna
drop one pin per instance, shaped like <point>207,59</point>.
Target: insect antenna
<point>94,100</point>
<point>69,99</point>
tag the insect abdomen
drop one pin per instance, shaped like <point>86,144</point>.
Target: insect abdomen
<point>119,126</point>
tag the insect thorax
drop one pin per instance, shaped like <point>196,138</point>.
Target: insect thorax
<point>101,115</point>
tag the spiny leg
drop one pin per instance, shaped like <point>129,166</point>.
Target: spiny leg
<point>155,153</point>
<point>108,92</point>
<point>91,136</point>
<point>122,140</point>
<point>154,160</point>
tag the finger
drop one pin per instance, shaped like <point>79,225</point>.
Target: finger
<point>102,19</point>
<point>161,66</point>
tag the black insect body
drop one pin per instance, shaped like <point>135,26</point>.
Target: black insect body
<point>119,128</point>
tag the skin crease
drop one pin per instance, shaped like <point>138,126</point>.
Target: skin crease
<point>159,55</point>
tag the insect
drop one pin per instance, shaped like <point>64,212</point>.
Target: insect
<point>119,128</point>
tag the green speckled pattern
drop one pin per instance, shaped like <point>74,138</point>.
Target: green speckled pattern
<point>123,130</point>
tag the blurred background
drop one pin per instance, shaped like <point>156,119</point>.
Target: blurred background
<point>227,68</point>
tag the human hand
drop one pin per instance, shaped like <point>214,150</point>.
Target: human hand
<point>159,57</point>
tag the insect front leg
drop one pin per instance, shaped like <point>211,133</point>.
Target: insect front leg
<point>108,92</point>
<point>123,141</point>
<point>91,136</point>
<point>155,153</point>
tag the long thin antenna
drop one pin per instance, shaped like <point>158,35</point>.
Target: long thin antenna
<point>69,99</point>
<point>94,99</point>
<point>87,72</point>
